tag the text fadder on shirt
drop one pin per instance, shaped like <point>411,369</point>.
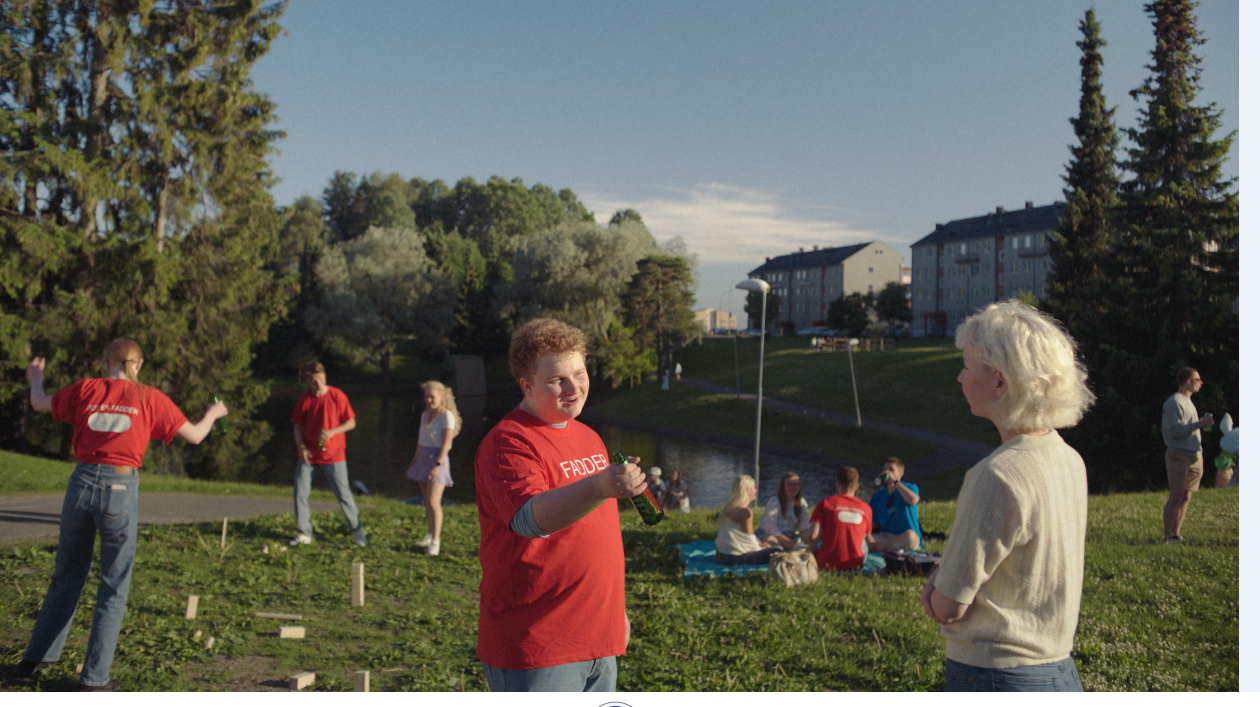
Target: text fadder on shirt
<point>584,467</point>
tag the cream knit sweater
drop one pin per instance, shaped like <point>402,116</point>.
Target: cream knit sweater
<point>1016,554</point>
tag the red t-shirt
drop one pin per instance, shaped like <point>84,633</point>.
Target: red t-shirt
<point>323,412</point>
<point>844,521</point>
<point>552,600</point>
<point>115,419</point>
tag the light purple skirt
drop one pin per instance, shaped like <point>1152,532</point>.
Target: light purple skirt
<point>421,468</point>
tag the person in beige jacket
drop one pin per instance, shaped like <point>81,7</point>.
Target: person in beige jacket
<point>1007,592</point>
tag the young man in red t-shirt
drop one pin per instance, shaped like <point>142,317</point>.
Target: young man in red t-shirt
<point>842,523</point>
<point>320,419</point>
<point>553,567</point>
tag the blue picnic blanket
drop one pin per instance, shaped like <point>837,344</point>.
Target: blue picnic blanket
<point>697,559</point>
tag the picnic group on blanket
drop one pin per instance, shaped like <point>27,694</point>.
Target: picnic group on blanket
<point>1006,589</point>
<point>843,532</point>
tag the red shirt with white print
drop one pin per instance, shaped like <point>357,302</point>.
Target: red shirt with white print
<point>115,419</point>
<point>553,600</point>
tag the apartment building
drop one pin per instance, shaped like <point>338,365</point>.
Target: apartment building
<point>716,320</point>
<point>808,281</point>
<point>964,265</point>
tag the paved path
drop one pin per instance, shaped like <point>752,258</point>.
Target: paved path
<point>955,452</point>
<point>39,515</point>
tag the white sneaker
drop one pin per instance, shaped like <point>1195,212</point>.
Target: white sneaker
<point>300,540</point>
<point>425,541</point>
<point>434,547</point>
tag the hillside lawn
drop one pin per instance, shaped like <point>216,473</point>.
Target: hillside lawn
<point>913,384</point>
<point>1154,617</point>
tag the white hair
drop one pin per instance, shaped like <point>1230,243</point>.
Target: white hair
<point>1037,359</point>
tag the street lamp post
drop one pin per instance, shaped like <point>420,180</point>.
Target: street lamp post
<point>853,375</point>
<point>757,285</point>
<point>734,340</point>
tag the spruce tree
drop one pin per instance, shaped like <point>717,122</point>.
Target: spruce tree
<point>1171,297</point>
<point>1083,237</point>
<point>133,177</point>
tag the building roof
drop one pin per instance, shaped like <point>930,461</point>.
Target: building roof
<point>998,223</point>
<point>809,258</point>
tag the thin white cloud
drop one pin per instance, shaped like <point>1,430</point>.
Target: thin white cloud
<point>726,224</point>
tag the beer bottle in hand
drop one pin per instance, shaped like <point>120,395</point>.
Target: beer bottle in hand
<point>220,428</point>
<point>645,503</point>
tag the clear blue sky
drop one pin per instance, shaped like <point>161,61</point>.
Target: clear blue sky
<point>750,129</point>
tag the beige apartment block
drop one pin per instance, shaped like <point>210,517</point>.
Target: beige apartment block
<point>716,320</point>
<point>809,280</point>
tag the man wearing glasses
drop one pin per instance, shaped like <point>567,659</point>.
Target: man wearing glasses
<point>1184,456</point>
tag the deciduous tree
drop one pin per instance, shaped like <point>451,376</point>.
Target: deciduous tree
<point>850,313</point>
<point>377,287</point>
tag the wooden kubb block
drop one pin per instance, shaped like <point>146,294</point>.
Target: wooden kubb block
<point>356,584</point>
<point>293,632</point>
<point>191,611</point>
<point>362,681</point>
<point>301,680</point>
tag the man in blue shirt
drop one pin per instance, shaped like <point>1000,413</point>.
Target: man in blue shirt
<point>896,510</point>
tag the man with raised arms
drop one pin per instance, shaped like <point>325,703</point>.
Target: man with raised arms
<point>553,567</point>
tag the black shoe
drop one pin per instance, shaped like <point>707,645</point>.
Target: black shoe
<point>29,668</point>
<point>110,686</point>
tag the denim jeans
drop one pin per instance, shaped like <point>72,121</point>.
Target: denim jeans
<point>599,675</point>
<point>98,499</point>
<point>1048,677</point>
<point>338,479</point>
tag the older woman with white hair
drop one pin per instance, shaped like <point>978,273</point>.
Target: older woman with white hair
<point>1007,593</point>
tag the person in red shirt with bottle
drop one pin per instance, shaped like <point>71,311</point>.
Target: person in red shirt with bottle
<point>553,592</point>
<point>114,418</point>
<point>320,419</point>
<point>843,524</point>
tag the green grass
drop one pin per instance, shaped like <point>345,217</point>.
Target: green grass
<point>21,474</point>
<point>914,385</point>
<point>1154,617</point>
<point>685,408</point>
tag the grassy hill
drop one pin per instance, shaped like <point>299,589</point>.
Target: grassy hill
<point>1154,617</point>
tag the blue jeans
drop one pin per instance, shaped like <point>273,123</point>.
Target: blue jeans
<point>98,499</point>
<point>1048,677</point>
<point>599,675</point>
<point>338,479</point>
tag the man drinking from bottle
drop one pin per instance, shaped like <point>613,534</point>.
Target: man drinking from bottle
<point>553,567</point>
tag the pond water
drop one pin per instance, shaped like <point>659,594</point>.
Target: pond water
<point>382,444</point>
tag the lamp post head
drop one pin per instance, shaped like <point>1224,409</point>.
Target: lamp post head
<point>754,285</point>
<point>854,342</point>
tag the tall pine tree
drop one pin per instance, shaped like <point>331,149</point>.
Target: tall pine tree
<point>1171,295</point>
<point>1083,237</point>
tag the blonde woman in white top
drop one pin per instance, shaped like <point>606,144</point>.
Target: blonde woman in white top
<point>736,544</point>
<point>1007,592</point>
<point>431,467</point>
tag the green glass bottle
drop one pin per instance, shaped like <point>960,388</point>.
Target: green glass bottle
<point>220,428</point>
<point>645,503</point>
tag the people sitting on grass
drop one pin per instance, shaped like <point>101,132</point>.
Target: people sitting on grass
<point>736,544</point>
<point>786,517</point>
<point>676,494</point>
<point>840,527</point>
<point>655,486</point>
<point>896,510</point>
